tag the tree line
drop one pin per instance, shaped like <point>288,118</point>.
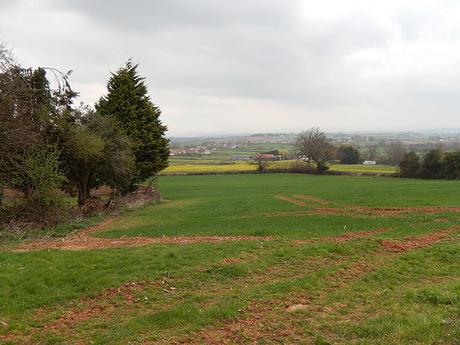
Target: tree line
<point>50,146</point>
<point>313,146</point>
<point>435,164</point>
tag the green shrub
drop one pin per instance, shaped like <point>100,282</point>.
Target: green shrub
<point>410,165</point>
<point>450,168</point>
<point>431,165</point>
<point>43,178</point>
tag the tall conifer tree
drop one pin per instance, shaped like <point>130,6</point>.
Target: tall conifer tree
<point>128,102</point>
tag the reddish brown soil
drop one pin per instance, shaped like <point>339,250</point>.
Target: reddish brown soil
<point>360,210</point>
<point>102,303</point>
<point>300,213</point>
<point>86,243</point>
<point>345,237</point>
<point>441,220</point>
<point>99,306</point>
<point>82,240</point>
<point>296,307</point>
<point>256,326</point>
<point>261,320</point>
<point>277,319</point>
<point>418,241</point>
<point>385,211</point>
<point>266,320</point>
<point>98,227</point>
<point>400,210</point>
<point>231,260</point>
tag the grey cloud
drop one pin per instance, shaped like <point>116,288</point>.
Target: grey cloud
<point>167,14</point>
<point>210,60</point>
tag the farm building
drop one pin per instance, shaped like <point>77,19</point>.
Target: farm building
<point>267,156</point>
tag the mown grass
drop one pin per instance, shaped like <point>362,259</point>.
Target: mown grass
<point>354,292</point>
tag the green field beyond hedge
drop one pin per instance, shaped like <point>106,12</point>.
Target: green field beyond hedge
<point>213,166</point>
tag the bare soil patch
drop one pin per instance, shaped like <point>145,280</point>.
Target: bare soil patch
<point>100,305</point>
<point>361,210</point>
<point>296,307</point>
<point>400,210</point>
<point>345,237</point>
<point>88,308</point>
<point>265,319</point>
<point>441,220</point>
<point>300,213</point>
<point>418,241</point>
<point>98,227</point>
<point>277,319</point>
<point>231,260</point>
<point>82,240</point>
<point>385,211</point>
<point>91,243</point>
<point>256,326</point>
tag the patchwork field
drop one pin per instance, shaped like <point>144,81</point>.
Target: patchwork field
<point>243,259</point>
<point>210,166</point>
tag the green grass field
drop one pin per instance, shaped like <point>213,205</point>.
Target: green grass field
<point>378,168</point>
<point>322,270</point>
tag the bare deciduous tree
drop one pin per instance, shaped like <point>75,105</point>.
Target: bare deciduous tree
<point>395,152</point>
<point>371,152</point>
<point>18,131</point>
<point>312,145</point>
<point>29,109</point>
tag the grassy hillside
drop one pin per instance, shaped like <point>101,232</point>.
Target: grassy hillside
<point>336,260</point>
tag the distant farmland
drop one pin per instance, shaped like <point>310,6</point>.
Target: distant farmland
<point>213,166</point>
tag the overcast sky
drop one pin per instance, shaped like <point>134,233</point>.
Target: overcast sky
<point>241,66</point>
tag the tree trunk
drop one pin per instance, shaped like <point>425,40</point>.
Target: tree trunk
<point>83,194</point>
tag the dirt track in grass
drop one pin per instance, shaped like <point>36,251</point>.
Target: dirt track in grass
<point>261,319</point>
<point>92,243</point>
<point>104,303</point>
<point>351,210</point>
<point>279,319</point>
<point>384,211</point>
<point>418,241</point>
<point>82,240</point>
<point>345,237</point>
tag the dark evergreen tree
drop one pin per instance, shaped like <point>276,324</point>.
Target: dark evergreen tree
<point>431,164</point>
<point>451,165</point>
<point>128,103</point>
<point>348,154</point>
<point>410,165</point>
